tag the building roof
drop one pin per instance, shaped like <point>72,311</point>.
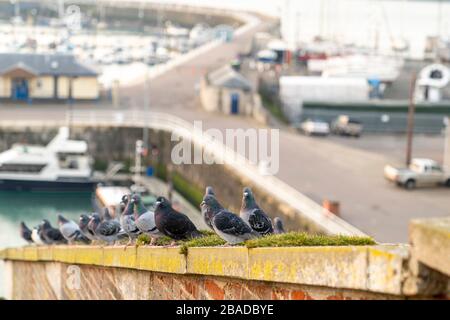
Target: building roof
<point>44,64</point>
<point>229,78</point>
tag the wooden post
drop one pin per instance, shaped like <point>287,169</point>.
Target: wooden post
<point>411,112</point>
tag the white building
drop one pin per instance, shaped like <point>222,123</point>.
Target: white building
<point>294,90</point>
<point>381,24</point>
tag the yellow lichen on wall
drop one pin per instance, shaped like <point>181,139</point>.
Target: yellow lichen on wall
<point>228,262</point>
<point>161,259</point>
<point>370,268</point>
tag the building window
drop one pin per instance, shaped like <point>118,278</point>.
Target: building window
<point>39,83</point>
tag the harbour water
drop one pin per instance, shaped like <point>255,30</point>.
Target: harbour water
<point>32,207</point>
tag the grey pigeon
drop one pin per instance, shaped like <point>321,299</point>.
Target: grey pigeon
<point>36,235</point>
<point>226,224</point>
<point>83,223</point>
<point>253,215</point>
<point>145,219</point>
<point>93,215</point>
<point>127,220</point>
<point>172,223</point>
<point>107,230</point>
<point>25,232</point>
<point>206,214</point>
<point>71,231</point>
<point>52,235</point>
<point>278,227</point>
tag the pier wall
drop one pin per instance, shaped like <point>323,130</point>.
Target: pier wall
<point>91,272</point>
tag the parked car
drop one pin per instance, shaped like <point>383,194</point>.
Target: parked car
<point>315,127</point>
<point>421,172</point>
<point>344,125</point>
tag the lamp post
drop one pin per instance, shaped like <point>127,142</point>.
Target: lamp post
<point>446,160</point>
<point>411,112</point>
<point>146,109</point>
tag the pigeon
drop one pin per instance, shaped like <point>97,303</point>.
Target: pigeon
<point>83,224</point>
<point>106,214</point>
<point>25,232</point>
<point>278,226</point>
<point>71,231</point>
<point>226,224</point>
<point>36,235</point>
<point>253,215</point>
<point>172,223</point>
<point>52,235</point>
<point>206,214</point>
<point>127,220</point>
<point>145,219</point>
<point>89,227</point>
<point>106,230</point>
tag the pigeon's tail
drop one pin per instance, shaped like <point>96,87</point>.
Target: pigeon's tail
<point>24,227</point>
<point>82,238</point>
<point>196,234</point>
<point>61,219</point>
<point>209,190</point>
<point>254,234</point>
<point>122,235</point>
<point>278,226</point>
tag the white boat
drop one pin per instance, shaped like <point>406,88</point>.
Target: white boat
<point>62,165</point>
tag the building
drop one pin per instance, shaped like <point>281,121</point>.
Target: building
<point>226,90</point>
<point>387,26</point>
<point>27,77</point>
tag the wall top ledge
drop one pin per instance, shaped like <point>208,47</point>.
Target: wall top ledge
<point>379,268</point>
<point>431,242</point>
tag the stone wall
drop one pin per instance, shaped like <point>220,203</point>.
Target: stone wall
<point>145,272</point>
<point>53,281</point>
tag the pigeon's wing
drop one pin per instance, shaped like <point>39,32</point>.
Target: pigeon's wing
<point>69,229</point>
<point>55,234</point>
<point>146,222</point>
<point>108,228</point>
<point>227,222</point>
<point>260,222</point>
<point>207,216</point>
<point>26,234</point>
<point>178,225</point>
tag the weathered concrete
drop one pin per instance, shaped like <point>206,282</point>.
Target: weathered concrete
<point>430,240</point>
<point>353,271</point>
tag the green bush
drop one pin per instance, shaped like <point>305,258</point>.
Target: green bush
<point>272,104</point>
<point>161,171</point>
<point>189,191</point>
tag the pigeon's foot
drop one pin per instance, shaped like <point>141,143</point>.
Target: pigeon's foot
<point>129,243</point>
<point>171,245</point>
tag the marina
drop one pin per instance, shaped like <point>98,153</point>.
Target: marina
<point>90,177</point>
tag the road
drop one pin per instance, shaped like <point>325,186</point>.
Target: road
<point>347,171</point>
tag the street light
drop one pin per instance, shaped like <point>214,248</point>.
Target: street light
<point>446,160</point>
<point>146,108</point>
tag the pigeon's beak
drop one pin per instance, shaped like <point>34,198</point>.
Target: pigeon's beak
<point>202,204</point>
<point>157,203</point>
<point>246,194</point>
